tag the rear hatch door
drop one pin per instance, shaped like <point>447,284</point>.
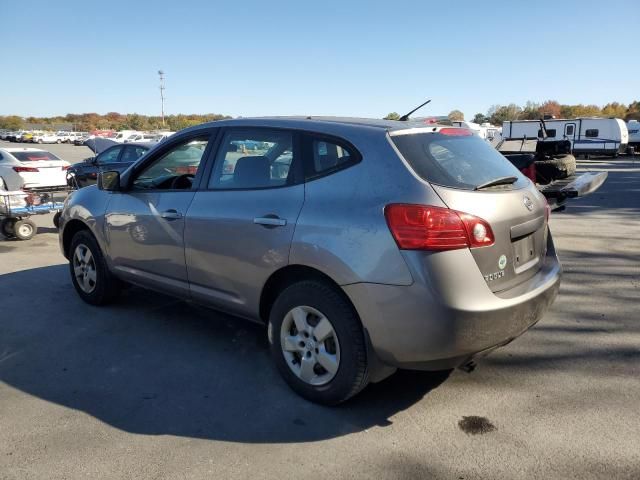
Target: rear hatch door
<point>456,164</point>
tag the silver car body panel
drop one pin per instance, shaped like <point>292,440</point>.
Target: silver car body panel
<point>231,247</point>
<point>145,234</point>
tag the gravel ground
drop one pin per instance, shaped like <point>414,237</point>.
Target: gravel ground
<point>153,388</point>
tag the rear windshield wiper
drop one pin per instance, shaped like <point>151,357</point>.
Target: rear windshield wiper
<point>497,181</point>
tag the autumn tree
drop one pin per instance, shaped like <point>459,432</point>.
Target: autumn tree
<point>615,110</point>
<point>392,116</point>
<point>480,118</point>
<point>11,122</point>
<point>531,111</point>
<point>500,113</point>
<point>551,108</point>
<point>456,116</point>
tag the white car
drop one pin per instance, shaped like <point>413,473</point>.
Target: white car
<point>46,138</point>
<point>31,168</point>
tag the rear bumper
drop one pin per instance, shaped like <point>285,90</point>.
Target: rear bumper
<point>441,321</point>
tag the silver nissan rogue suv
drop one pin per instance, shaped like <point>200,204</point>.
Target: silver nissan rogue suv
<point>363,245</point>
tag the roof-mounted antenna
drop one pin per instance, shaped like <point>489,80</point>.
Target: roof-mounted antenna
<point>406,116</point>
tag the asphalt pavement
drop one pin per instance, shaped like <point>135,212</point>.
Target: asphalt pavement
<point>153,388</point>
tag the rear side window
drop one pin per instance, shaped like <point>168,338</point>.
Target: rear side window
<point>329,155</point>
<point>591,132</point>
<point>456,161</point>
<point>324,155</point>
<point>253,158</point>
<point>34,156</point>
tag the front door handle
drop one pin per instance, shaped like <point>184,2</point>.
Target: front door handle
<point>171,214</point>
<point>270,221</point>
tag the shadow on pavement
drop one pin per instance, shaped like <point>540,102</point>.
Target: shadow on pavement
<point>153,365</point>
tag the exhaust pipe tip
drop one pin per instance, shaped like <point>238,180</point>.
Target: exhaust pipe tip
<point>468,367</point>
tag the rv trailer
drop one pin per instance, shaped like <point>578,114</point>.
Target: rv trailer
<point>587,136</point>
<point>634,134</point>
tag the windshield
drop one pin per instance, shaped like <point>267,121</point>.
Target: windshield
<point>458,161</point>
<point>34,156</point>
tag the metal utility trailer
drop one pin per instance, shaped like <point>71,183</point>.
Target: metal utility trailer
<point>551,167</point>
<point>578,185</point>
<point>17,206</point>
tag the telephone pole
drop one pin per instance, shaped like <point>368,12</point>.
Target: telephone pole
<point>161,73</point>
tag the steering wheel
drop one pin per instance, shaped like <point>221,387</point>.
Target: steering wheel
<point>182,182</point>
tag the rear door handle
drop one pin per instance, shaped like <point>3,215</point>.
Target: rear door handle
<point>171,214</point>
<point>270,221</point>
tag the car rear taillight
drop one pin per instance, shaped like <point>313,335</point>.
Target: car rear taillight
<point>66,167</point>
<point>25,169</point>
<point>423,227</point>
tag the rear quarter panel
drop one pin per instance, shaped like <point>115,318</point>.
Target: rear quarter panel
<point>342,231</point>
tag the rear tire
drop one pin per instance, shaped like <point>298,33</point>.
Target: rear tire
<point>24,229</point>
<point>557,168</point>
<point>56,219</point>
<point>90,275</point>
<point>6,226</point>
<point>330,334</point>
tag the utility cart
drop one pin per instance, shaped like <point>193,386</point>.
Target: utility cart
<point>17,206</point>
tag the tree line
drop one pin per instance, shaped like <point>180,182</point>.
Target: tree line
<point>87,122</point>
<point>533,111</point>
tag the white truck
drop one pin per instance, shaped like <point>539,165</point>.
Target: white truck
<point>587,136</point>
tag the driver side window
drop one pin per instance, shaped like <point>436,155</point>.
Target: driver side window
<point>175,169</point>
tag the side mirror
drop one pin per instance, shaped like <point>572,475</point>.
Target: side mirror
<point>109,181</point>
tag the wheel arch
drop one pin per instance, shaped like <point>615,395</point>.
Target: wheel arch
<point>288,275</point>
<point>70,229</point>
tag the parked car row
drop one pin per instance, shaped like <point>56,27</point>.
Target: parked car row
<point>25,136</point>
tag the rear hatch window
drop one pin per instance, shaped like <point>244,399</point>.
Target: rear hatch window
<point>455,159</point>
<point>34,156</point>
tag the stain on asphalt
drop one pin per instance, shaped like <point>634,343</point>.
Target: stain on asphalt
<point>474,425</point>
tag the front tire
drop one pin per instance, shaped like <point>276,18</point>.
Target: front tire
<point>90,275</point>
<point>317,342</point>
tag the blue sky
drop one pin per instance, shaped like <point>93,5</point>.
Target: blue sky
<point>332,57</point>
